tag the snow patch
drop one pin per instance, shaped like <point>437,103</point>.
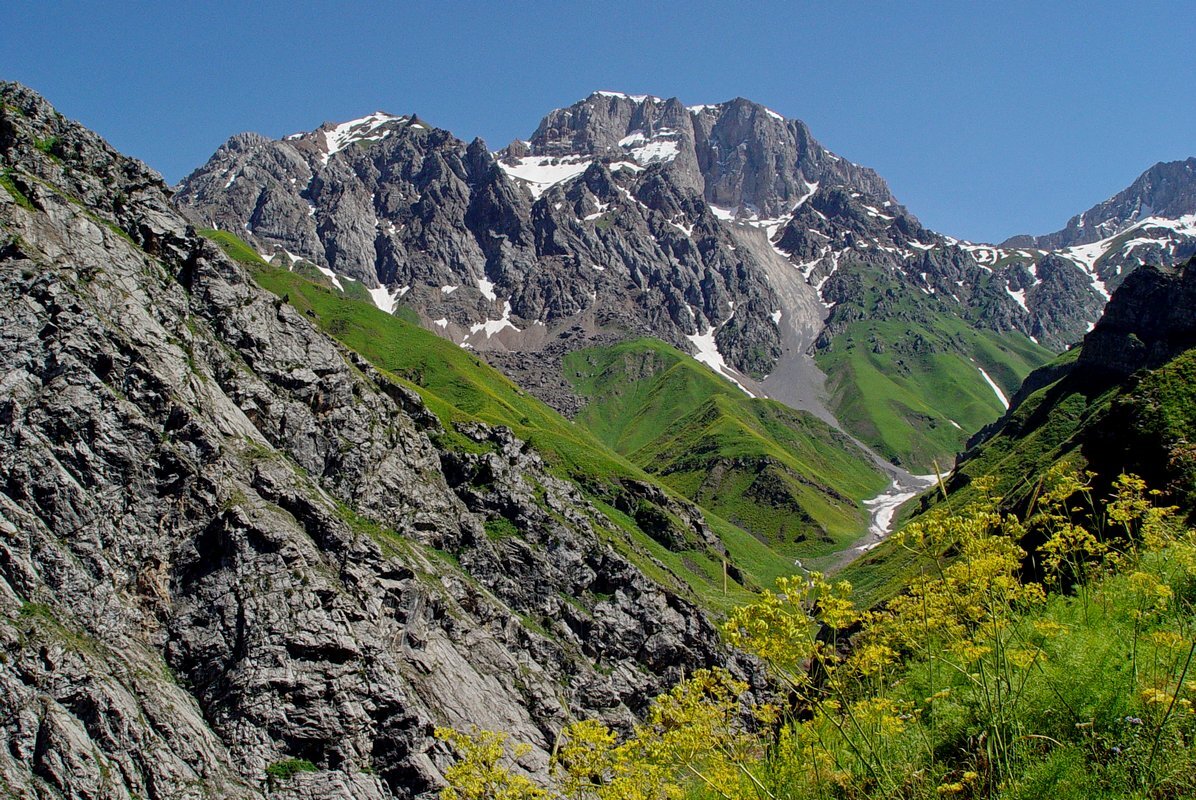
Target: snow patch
<point>818,287</point>
<point>384,299</point>
<point>637,98</point>
<point>357,130</point>
<point>643,150</point>
<point>996,389</point>
<point>1086,255</point>
<point>770,225</point>
<point>1019,297</point>
<point>709,355</point>
<point>884,506</point>
<point>630,166</point>
<point>685,226</point>
<point>492,326</point>
<point>542,172</point>
<point>487,289</point>
<point>602,209</point>
<point>655,152</point>
<point>330,275</point>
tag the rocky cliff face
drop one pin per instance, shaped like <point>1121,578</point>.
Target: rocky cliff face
<point>740,155</point>
<point>228,545</point>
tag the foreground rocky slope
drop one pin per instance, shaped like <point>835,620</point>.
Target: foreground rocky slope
<point>233,560</point>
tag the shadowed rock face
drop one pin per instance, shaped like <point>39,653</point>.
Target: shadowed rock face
<point>1150,320</point>
<point>226,542</point>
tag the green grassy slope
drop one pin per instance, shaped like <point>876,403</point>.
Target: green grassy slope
<point>785,476</point>
<point>1142,425</point>
<point>913,391</point>
<point>903,368</point>
<point>459,387</point>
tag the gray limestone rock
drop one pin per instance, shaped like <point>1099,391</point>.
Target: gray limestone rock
<point>228,546</point>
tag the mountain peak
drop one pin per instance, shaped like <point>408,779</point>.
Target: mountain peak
<point>370,128</point>
<point>1167,189</point>
<point>635,98</point>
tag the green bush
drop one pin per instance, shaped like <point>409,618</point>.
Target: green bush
<point>289,767</point>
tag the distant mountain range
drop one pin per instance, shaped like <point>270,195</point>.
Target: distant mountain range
<point>725,230</point>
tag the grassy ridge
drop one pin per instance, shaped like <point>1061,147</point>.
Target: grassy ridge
<point>459,387</point>
<point>903,367</point>
<point>785,476</point>
<point>1142,425</point>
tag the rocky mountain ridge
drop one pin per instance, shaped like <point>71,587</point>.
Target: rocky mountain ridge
<point>753,169</point>
<point>725,230</point>
<point>1166,190</point>
<point>1152,221</point>
<point>237,560</point>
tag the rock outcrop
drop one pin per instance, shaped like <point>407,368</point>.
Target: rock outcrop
<point>234,561</point>
<point>1150,320</point>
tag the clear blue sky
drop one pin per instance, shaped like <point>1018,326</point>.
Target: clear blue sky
<point>987,118</point>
